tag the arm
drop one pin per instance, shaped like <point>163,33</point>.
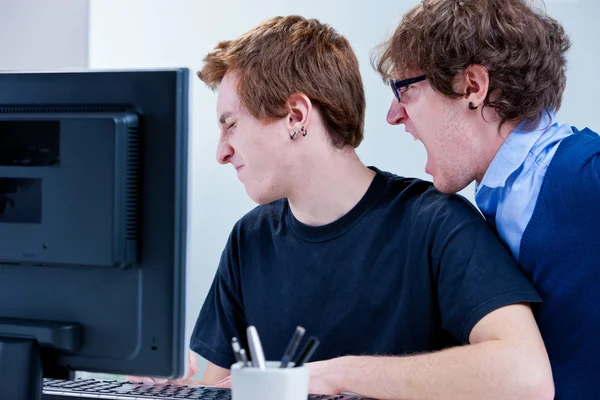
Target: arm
<point>222,316</point>
<point>506,359</point>
<point>213,374</point>
<point>187,380</point>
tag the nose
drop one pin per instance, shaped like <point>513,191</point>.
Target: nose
<point>224,152</point>
<point>396,114</point>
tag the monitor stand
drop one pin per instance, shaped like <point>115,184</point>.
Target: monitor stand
<point>29,350</point>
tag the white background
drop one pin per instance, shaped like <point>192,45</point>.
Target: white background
<point>99,34</point>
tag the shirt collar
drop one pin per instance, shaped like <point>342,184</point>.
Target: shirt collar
<point>513,152</point>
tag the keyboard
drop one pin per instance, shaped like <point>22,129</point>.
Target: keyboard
<point>55,389</point>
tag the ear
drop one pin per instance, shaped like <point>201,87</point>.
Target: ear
<point>299,108</point>
<point>476,82</point>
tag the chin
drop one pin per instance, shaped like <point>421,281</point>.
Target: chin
<point>448,187</point>
<point>261,201</point>
<point>442,188</point>
<point>262,198</point>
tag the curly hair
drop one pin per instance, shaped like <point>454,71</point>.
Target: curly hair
<point>523,50</point>
<point>285,55</point>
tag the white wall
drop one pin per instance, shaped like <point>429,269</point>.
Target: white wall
<point>42,34</point>
<point>170,33</point>
<point>580,102</point>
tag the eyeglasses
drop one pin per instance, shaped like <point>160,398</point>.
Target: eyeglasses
<point>398,85</point>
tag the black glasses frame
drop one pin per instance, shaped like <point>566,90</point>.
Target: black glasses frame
<point>397,85</point>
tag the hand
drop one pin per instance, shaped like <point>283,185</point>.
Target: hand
<point>192,370</point>
<point>321,379</point>
<point>224,383</point>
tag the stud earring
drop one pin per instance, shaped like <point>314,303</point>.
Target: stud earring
<point>471,106</point>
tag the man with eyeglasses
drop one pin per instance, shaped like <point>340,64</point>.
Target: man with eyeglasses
<point>479,83</point>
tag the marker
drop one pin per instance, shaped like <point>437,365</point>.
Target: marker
<point>256,350</point>
<point>307,352</point>
<point>292,346</point>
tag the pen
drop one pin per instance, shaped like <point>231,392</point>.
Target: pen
<point>244,357</point>
<point>256,350</point>
<point>292,346</point>
<point>235,344</point>
<point>307,352</point>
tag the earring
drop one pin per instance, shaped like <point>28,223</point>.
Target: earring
<point>471,106</point>
<point>295,134</point>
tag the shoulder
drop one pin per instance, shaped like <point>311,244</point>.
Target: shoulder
<point>257,224</point>
<point>578,148</point>
<point>421,199</point>
<point>251,229</point>
<point>261,218</point>
<point>576,164</point>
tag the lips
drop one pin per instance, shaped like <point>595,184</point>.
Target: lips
<point>428,165</point>
<point>416,139</point>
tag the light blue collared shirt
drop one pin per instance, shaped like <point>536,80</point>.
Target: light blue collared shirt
<point>508,192</point>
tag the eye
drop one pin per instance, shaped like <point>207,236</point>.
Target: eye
<point>231,125</point>
<point>405,88</point>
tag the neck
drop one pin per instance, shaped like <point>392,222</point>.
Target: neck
<point>330,185</point>
<point>495,139</point>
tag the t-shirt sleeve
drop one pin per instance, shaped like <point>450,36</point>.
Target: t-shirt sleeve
<point>222,315</point>
<point>476,273</point>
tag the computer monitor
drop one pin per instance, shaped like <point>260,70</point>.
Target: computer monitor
<point>93,177</point>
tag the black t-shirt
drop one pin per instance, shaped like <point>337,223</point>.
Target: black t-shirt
<point>407,270</point>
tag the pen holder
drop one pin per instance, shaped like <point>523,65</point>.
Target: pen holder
<point>272,383</point>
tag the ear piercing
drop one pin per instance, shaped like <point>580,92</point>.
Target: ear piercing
<point>302,130</point>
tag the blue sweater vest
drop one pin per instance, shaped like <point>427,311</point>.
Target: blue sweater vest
<point>560,251</point>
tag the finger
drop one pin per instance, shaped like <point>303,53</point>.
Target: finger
<point>185,381</point>
<point>144,379</point>
<point>224,383</point>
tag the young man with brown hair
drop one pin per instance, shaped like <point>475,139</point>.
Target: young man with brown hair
<point>407,289</point>
<point>479,82</point>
